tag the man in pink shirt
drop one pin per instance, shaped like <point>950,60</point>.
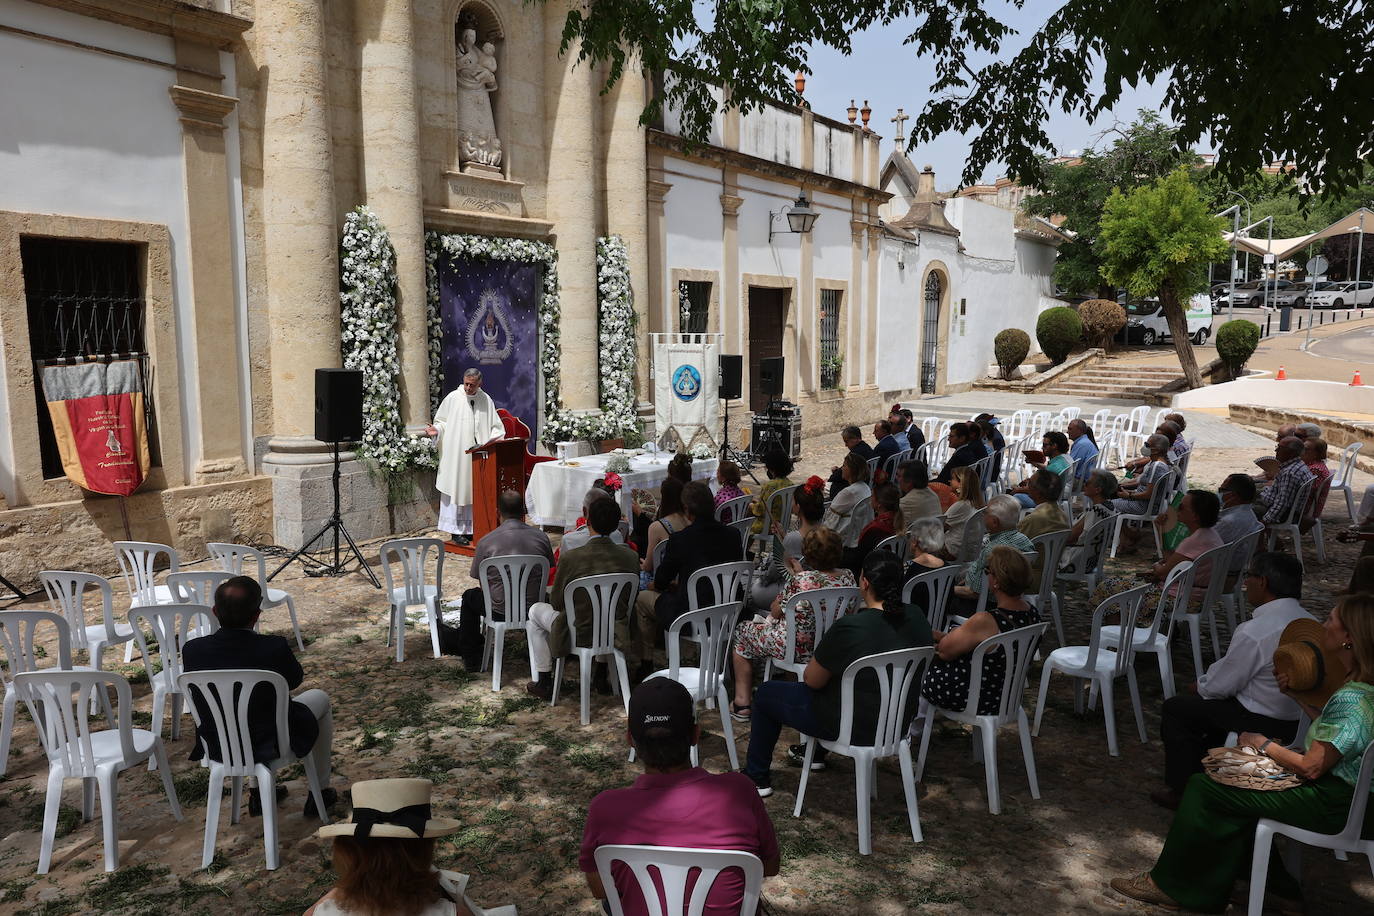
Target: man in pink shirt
<point>675,803</point>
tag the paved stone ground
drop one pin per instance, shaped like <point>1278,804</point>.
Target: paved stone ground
<point>519,775</point>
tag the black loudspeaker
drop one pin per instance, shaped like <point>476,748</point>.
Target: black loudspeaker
<point>731,371</point>
<point>770,375</point>
<point>338,405</point>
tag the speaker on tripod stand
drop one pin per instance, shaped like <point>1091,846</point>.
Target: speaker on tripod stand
<point>731,387</point>
<point>338,418</point>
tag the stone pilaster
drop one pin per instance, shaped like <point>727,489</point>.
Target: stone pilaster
<point>570,107</point>
<point>627,198</point>
<point>856,344</point>
<point>731,321</point>
<point>390,138</point>
<point>870,312</point>
<point>661,298</point>
<point>806,373</point>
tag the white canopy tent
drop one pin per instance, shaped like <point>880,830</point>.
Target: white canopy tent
<point>1282,248</point>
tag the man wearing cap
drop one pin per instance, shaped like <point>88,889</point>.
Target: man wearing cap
<point>675,803</point>
<point>235,645</point>
<point>1238,693</point>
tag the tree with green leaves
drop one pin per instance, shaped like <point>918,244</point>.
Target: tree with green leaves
<point>1218,59</point>
<point>1077,190</point>
<point>1158,240</point>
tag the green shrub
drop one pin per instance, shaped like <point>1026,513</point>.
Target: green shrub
<point>1011,347</point>
<point>1236,343</point>
<point>1058,330</point>
<point>1101,318</point>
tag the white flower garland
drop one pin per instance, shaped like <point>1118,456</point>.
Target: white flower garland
<point>617,330</point>
<point>367,296</point>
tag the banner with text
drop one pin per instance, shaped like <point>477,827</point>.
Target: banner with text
<point>489,311</point>
<point>100,425</point>
<point>686,385</point>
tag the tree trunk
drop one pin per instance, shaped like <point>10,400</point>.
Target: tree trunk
<point>1178,330</point>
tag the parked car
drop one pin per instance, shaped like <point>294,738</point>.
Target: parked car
<point>1145,322</point>
<point>1296,295</point>
<point>1251,294</point>
<point>1342,295</point>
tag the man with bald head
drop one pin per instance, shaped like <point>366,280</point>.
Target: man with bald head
<point>1285,431</point>
<point>1276,501</point>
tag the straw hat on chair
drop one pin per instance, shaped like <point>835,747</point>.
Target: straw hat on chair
<point>1314,672</point>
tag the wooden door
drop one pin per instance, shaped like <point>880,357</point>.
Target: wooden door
<point>767,315</point>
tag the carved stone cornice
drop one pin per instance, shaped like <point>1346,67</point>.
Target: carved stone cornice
<point>193,19</point>
<point>200,109</point>
<point>856,230</point>
<point>657,191</point>
<point>730,204</point>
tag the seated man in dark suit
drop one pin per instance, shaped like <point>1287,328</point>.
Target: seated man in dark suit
<point>888,444</point>
<point>548,626</point>
<point>704,542</point>
<point>309,721</point>
<point>904,426</point>
<point>854,441</point>
<point>968,450</point>
<point>511,538</point>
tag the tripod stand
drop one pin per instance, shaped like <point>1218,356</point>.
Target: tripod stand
<point>728,451</point>
<point>336,525</point>
<point>18,592</point>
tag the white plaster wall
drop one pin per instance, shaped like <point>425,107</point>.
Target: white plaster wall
<point>672,119</point>
<point>833,151</point>
<point>899,312</point>
<point>694,224</point>
<point>986,231</point>
<point>771,133</point>
<point>91,135</point>
<point>1329,397</point>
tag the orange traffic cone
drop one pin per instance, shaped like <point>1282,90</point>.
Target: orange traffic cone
<point>1356,380</point>
<point>1282,374</point>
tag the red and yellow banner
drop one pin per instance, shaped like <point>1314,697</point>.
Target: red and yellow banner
<point>98,419</point>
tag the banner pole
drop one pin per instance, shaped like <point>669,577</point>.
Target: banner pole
<point>124,514</point>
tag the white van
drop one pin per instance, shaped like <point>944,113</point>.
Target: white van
<point>1145,321</point>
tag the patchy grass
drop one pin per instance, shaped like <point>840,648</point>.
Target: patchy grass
<point>67,818</point>
<point>193,786</point>
<point>432,766</point>
<point>412,709</point>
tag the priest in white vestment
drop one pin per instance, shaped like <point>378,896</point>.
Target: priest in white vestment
<point>466,419</point>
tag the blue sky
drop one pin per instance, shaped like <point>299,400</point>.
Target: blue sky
<point>890,75</point>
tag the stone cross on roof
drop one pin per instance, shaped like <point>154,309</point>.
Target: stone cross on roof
<point>900,120</point>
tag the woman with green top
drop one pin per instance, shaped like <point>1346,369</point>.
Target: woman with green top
<point>1055,447</point>
<point>1209,844</point>
<point>777,466</point>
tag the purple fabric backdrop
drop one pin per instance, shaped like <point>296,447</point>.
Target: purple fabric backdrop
<point>490,318</point>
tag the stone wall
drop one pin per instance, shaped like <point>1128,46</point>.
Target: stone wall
<point>78,534</point>
<point>1338,432</point>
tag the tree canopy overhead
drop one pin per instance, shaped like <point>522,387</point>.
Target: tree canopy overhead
<point>1268,79</point>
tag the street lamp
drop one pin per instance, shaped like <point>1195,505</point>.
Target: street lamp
<point>1232,211</point>
<point>801,216</point>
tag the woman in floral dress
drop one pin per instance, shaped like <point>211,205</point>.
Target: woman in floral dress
<point>822,557</point>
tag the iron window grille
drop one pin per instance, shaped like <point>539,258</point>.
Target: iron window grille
<point>831,361</point>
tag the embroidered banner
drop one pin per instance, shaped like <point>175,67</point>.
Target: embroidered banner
<point>687,385</point>
<point>489,312</point>
<point>98,419</point>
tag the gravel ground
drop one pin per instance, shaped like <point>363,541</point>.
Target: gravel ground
<point>519,775</point>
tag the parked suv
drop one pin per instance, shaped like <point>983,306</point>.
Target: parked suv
<point>1145,321</point>
<point>1251,294</point>
<point>1343,295</point>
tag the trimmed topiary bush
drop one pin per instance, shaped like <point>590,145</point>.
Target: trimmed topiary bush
<point>1101,318</point>
<point>1057,330</point>
<point>1236,343</point>
<point>1011,347</point>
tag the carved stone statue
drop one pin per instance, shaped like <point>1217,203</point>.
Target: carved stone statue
<point>478,145</point>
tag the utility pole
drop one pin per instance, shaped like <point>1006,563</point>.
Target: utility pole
<point>1232,211</point>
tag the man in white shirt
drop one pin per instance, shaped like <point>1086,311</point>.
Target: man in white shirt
<point>1238,692</point>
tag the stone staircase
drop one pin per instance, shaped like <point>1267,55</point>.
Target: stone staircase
<point>1106,380</point>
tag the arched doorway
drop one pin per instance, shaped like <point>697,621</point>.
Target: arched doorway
<point>930,331</point>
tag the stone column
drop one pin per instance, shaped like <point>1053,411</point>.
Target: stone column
<point>660,296</point>
<point>731,321</point>
<point>627,198</point>
<point>856,344</point>
<point>390,135</point>
<point>571,111</point>
<point>216,440</point>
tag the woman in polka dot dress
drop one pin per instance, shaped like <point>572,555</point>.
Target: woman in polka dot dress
<point>946,683</point>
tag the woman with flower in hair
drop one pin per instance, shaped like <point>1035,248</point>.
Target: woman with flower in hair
<point>808,506</point>
<point>823,557</point>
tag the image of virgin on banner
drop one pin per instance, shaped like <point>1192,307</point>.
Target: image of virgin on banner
<point>489,311</point>
<point>98,420</point>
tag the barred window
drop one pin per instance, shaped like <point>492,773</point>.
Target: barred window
<point>85,301</point>
<point>694,305</point>
<point>831,361</point>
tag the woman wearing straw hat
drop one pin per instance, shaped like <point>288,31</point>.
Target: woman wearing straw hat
<point>1329,669</point>
<point>384,856</point>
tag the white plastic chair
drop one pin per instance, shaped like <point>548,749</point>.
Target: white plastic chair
<point>412,555</point>
<point>96,757</point>
<point>67,594</point>
<point>1167,611</point>
<point>898,674</point>
<point>894,462</point>
<point>1233,601</point>
<point>1020,646</point>
<point>929,427</point>
<point>738,508</point>
<point>1100,422</point>
<point>196,586</point>
<point>1049,548</point>
<point>974,531</point>
<point>1217,561</point>
<point>1135,426</point>
<point>1290,523</point>
<point>873,466</point>
<point>517,573</point>
<point>224,696</point>
<point>827,606</point>
<point>939,585</point>
<point>171,625</point>
<point>1094,543</point>
<point>1100,666</point>
<point>1341,479</point>
<point>607,593</point>
<point>137,562</point>
<point>235,558</point>
<point>1159,498</point>
<point>727,582</point>
<point>656,555</point>
<point>713,627</point>
<point>667,870</point>
<point>1350,839</point>
<point>898,544</point>
<point>1320,491</point>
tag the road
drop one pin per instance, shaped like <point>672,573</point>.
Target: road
<point>1356,346</point>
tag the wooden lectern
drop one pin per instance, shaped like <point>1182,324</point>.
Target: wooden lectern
<point>495,467</point>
